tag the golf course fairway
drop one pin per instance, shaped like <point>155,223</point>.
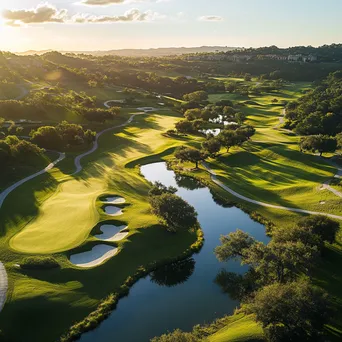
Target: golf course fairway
<point>64,220</point>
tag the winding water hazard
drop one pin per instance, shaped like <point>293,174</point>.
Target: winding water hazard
<point>182,294</point>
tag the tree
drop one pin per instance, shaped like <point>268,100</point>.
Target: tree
<point>276,261</point>
<point>193,114</point>
<point>229,138</point>
<point>47,137</point>
<point>184,126</point>
<point>234,245</point>
<point>295,311</point>
<point>247,131</point>
<point>187,154</point>
<point>240,117</point>
<point>248,77</point>
<point>5,152</point>
<point>320,143</point>
<point>212,146</point>
<point>323,226</point>
<point>197,96</point>
<point>92,84</point>
<point>339,141</point>
<point>173,211</point>
<point>159,189</point>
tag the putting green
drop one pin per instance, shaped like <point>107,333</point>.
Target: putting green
<point>64,221</point>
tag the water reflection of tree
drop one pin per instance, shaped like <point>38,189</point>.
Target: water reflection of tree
<point>173,274</point>
<point>188,183</point>
<point>236,285</point>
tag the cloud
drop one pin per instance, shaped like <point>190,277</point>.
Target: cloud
<point>43,13</point>
<point>115,2</point>
<point>129,16</point>
<point>46,13</point>
<point>211,18</point>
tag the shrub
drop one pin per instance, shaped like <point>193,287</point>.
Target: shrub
<point>39,263</point>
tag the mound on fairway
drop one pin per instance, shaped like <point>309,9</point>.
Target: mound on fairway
<point>98,255</point>
<point>111,232</point>
<point>64,221</point>
<point>112,211</point>
<point>114,200</point>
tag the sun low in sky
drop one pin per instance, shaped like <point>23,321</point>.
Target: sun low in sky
<point>82,25</point>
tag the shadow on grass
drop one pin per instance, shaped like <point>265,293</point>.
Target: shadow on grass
<point>141,249</point>
<point>22,205</point>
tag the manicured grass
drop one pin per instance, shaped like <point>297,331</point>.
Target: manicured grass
<point>241,328</point>
<point>270,168</point>
<point>57,211</point>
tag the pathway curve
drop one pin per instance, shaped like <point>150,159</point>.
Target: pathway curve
<point>3,285</point>
<point>96,143</point>
<point>226,188</point>
<point>7,191</point>
<point>326,185</point>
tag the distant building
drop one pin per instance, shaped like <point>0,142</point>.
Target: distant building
<point>295,58</point>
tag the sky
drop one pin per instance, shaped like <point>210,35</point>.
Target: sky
<point>86,25</point>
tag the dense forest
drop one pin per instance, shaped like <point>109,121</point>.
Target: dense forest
<point>320,110</point>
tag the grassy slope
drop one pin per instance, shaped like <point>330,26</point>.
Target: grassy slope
<point>69,294</point>
<point>272,169</point>
<point>240,328</point>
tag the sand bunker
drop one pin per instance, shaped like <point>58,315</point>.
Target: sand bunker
<point>112,233</point>
<point>112,211</point>
<point>114,200</point>
<point>95,257</point>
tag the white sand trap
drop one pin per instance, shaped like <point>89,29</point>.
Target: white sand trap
<point>112,233</point>
<point>114,200</point>
<point>113,211</point>
<point>95,257</point>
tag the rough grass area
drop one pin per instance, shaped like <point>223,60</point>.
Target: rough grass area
<point>39,263</point>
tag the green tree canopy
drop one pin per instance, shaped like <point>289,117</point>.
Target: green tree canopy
<point>173,211</point>
<point>295,311</point>
<point>187,154</point>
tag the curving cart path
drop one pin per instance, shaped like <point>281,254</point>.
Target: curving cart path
<point>250,200</point>
<point>7,191</point>
<point>326,185</point>
<point>3,285</point>
<point>96,143</point>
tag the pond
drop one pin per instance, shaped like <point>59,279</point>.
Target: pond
<point>183,294</point>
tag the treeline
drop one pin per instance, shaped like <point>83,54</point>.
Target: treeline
<point>319,111</point>
<point>63,136</point>
<point>276,289</point>
<point>17,151</point>
<point>321,143</point>
<point>53,103</point>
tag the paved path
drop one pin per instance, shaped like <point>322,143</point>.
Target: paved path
<point>3,285</point>
<point>96,144</point>
<point>7,191</point>
<point>225,187</point>
<point>326,185</point>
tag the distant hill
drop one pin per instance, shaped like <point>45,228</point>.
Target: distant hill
<point>159,52</point>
